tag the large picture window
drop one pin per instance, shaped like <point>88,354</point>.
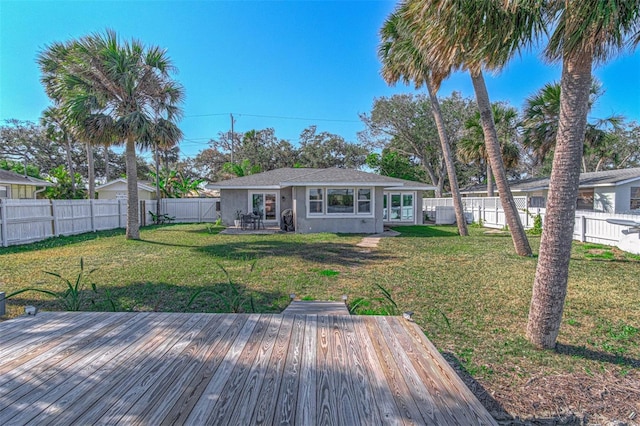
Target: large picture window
<point>585,199</point>
<point>340,201</point>
<point>635,198</point>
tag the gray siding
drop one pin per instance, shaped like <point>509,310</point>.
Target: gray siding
<point>347,225</point>
<point>232,200</point>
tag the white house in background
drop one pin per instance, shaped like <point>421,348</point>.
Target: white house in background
<point>608,191</point>
<point>324,200</point>
<point>17,186</point>
<point>117,190</point>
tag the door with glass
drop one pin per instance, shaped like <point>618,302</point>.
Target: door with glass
<point>398,207</point>
<point>265,204</point>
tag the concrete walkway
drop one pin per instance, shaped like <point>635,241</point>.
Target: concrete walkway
<point>372,241</point>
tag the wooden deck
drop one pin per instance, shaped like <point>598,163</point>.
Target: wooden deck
<point>301,307</point>
<point>171,368</point>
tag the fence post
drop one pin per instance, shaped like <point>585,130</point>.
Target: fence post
<point>91,213</point>
<point>119,213</point>
<point>583,229</point>
<point>54,214</point>
<point>199,211</point>
<point>3,310</point>
<point>3,224</point>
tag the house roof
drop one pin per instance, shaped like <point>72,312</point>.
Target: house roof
<point>587,180</point>
<point>285,177</point>
<point>141,185</point>
<point>10,177</point>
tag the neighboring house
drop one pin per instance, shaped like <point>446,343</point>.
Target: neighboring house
<point>324,200</point>
<point>610,191</point>
<point>117,190</point>
<point>17,186</point>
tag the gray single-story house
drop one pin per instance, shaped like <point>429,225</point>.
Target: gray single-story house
<point>17,186</point>
<point>323,200</point>
<point>117,190</point>
<point>609,191</point>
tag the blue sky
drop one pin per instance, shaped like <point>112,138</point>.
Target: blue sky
<point>285,65</point>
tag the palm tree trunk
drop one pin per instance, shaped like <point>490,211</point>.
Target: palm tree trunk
<point>133,225</point>
<point>552,272</point>
<point>494,152</point>
<point>106,164</point>
<point>72,174</point>
<point>91,172</point>
<point>448,159</point>
<point>489,179</point>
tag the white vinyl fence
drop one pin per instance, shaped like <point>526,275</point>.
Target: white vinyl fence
<point>588,226</point>
<point>26,221</point>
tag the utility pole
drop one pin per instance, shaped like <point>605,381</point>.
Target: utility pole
<point>232,143</point>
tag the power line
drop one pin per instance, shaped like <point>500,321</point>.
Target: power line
<point>280,117</point>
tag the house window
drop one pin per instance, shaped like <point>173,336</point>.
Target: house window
<point>407,206</point>
<point>264,204</point>
<point>635,198</point>
<point>340,201</point>
<point>537,201</point>
<point>4,191</point>
<point>316,201</point>
<point>585,199</point>
<point>364,200</point>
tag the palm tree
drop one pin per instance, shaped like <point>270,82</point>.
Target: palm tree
<point>119,90</point>
<point>474,35</point>
<point>401,60</point>
<point>540,124</point>
<point>586,32</point>
<point>57,130</point>
<point>472,148</point>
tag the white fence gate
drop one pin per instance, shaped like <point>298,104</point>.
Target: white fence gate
<point>588,226</point>
<point>26,221</point>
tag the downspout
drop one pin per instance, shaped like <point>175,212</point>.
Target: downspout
<point>37,191</point>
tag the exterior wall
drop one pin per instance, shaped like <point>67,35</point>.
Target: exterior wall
<point>286,199</point>
<point>20,191</point>
<point>232,200</point>
<point>347,225</point>
<point>623,197</point>
<point>104,194</point>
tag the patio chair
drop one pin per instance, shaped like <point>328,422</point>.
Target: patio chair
<point>246,221</point>
<point>257,220</point>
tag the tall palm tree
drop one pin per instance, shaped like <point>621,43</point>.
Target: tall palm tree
<point>586,32</point>
<point>124,89</point>
<point>472,148</point>
<point>476,35</point>
<point>401,60</point>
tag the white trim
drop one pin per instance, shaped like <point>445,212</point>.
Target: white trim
<point>325,200</point>
<point>401,193</point>
<point>263,193</point>
<point>244,187</point>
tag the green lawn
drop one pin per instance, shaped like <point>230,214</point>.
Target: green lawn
<point>470,295</point>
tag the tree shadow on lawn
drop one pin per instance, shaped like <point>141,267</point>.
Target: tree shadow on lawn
<point>321,252</point>
<point>583,352</point>
<point>424,231</point>
<point>140,296</point>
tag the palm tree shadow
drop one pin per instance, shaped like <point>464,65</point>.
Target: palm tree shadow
<point>583,352</point>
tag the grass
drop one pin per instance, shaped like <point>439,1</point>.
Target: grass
<point>470,295</point>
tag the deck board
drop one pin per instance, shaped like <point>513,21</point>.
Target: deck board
<point>164,368</point>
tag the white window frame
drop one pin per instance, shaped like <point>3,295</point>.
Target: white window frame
<point>325,202</point>
<point>414,196</point>
<point>6,189</point>
<point>264,193</point>
<point>633,189</point>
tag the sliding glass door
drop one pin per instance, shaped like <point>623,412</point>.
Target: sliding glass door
<point>265,204</point>
<point>398,207</point>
